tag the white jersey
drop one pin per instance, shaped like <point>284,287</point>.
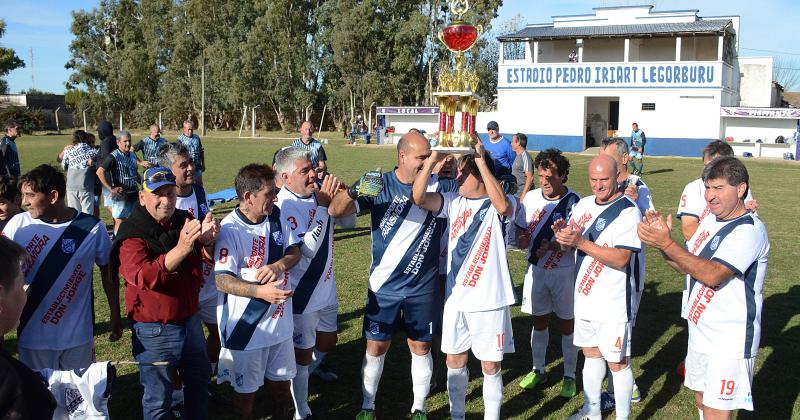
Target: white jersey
<point>725,320</point>
<point>693,200</point>
<point>249,323</point>
<point>537,215</point>
<point>312,279</point>
<point>197,205</point>
<point>644,201</point>
<point>59,312</point>
<point>478,278</point>
<point>81,393</point>
<point>604,294</point>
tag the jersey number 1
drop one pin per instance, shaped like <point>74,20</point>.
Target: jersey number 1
<point>501,339</point>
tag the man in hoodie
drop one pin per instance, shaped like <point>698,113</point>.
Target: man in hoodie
<point>108,143</point>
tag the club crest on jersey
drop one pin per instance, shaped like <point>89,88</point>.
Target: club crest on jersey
<point>482,214</point>
<point>558,216</point>
<point>68,246</point>
<point>73,400</point>
<point>277,237</point>
<point>715,243</point>
<point>204,208</point>
<point>601,224</point>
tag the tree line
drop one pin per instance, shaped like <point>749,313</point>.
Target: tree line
<point>285,57</point>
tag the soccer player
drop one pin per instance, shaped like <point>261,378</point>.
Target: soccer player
<point>550,279</point>
<point>253,255</point>
<point>602,230</point>
<point>149,147</point>
<point>402,283</point>
<point>119,175</point>
<point>638,140</point>
<point>303,204</point>
<point>9,154</point>
<point>725,265</point>
<point>192,198</point>
<point>10,200</point>
<point>56,327</point>
<point>634,187</point>
<point>479,287</point>
<point>319,160</point>
<point>195,146</point>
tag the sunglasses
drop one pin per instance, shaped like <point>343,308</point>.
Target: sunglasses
<point>160,176</point>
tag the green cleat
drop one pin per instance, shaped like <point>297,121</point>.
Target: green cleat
<point>532,379</point>
<point>568,388</point>
<point>636,396</point>
<point>419,415</point>
<point>366,415</point>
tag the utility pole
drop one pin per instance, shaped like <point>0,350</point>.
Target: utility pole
<point>203,96</point>
<point>33,82</point>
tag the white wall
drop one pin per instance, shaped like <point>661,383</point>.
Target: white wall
<point>766,129</point>
<point>403,123</point>
<point>755,84</point>
<point>549,112</point>
<point>652,49</point>
<point>555,51</point>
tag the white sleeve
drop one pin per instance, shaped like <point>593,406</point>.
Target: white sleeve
<point>312,238</point>
<point>521,218</point>
<point>103,249</point>
<point>447,200</point>
<point>741,248</point>
<point>625,233</point>
<point>514,203</point>
<point>688,205</point>
<point>10,230</point>
<point>226,260</point>
<point>347,221</point>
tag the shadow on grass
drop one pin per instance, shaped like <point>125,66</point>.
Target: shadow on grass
<point>658,171</point>
<point>352,233</point>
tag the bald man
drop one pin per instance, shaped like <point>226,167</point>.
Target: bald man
<point>402,295</point>
<point>602,232</point>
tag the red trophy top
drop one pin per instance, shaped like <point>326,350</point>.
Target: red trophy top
<point>459,36</point>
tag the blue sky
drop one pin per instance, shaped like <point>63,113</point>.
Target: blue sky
<point>43,26</point>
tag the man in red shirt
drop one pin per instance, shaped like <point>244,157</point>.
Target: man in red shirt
<point>158,251</point>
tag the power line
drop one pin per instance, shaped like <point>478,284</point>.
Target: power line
<point>771,51</point>
<point>788,68</point>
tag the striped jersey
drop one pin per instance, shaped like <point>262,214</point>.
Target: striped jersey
<point>725,320</point>
<point>312,278</point>
<point>80,393</point>
<point>405,239</point>
<point>603,293</point>
<point>123,170</point>
<point>644,200</point>
<point>59,313</point>
<point>195,147</point>
<point>478,278</point>
<point>197,205</point>
<point>149,148</point>
<point>315,148</point>
<point>537,215</point>
<point>452,187</point>
<point>248,323</point>
<point>693,200</point>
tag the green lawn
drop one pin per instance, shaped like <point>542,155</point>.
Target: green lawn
<point>659,340</point>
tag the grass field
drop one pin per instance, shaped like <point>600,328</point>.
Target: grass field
<point>659,340</point>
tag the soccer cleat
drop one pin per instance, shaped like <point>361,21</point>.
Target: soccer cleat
<point>532,379</point>
<point>636,396</point>
<point>584,414</point>
<point>419,415</point>
<point>323,373</point>
<point>607,402</point>
<point>568,388</point>
<point>366,415</point>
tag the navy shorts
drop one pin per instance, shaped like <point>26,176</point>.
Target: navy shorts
<point>419,316</point>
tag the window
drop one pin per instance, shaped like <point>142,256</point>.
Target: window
<point>648,106</point>
<point>513,51</point>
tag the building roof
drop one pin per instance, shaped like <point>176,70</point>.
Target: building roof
<point>703,26</point>
<point>792,99</point>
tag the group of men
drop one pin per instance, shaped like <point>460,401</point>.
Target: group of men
<point>263,280</point>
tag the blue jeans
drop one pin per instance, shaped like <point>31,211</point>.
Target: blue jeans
<point>183,346</point>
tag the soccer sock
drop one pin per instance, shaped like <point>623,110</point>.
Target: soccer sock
<point>421,372</point>
<point>623,384</point>
<point>316,360</point>
<point>213,368</point>
<point>570,353</point>
<point>492,395</point>
<point>457,391</point>
<point>700,413</point>
<point>539,339</point>
<point>610,386</point>
<point>300,392</point>
<point>371,371</point>
<point>594,370</point>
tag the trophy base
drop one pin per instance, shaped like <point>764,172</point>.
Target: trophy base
<point>453,150</point>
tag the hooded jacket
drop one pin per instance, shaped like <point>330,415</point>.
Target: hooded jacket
<point>108,143</point>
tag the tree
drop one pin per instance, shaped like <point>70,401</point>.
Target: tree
<point>786,71</point>
<point>8,60</point>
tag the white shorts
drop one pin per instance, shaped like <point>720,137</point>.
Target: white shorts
<point>246,369</point>
<point>306,326</point>
<point>635,155</point>
<point>725,383</point>
<point>487,333</point>
<point>612,338</point>
<point>208,311</point>
<point>82,201</point>
<point>546,291</point>
<point>78,357</point>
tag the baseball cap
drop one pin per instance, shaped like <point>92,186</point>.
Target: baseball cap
<point>157,177</point>
<point>492,125</point>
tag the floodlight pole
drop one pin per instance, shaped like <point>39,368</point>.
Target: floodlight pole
<point>253,128</point>
<point>203,96</point>
<point>58,127</point>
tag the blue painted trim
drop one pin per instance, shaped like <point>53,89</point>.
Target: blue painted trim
<point>656,146</point>
<point>545,141</point>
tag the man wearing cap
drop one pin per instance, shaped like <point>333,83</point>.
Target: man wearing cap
<point>159,250</point>
<point>499,149</point>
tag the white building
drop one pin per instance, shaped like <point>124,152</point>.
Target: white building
<point>672,72</point>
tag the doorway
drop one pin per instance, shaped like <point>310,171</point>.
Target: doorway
<point>602,119</point>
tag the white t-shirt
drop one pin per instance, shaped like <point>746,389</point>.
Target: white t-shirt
<point>602,293</point>
<point>58,314</point>
<point>312,279</point>
<point>725,320</point>
<point>198,211</point>
<point>249,323</point>
<point>81,393</point>
<point>478,278</point>
<point>537,215</point>
<point>693,200</point>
